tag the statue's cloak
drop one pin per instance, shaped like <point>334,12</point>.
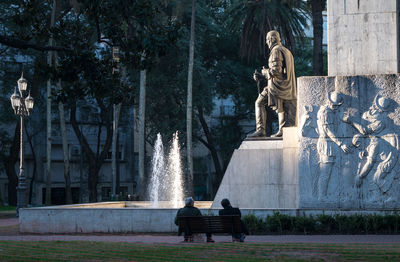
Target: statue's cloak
<point>284,87</point>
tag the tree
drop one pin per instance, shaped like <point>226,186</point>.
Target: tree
<point>48,112</point>
<point>142,130</point>
<point>133,26</point>
<point>255,18</point>
<point>189,101</point>
<point>317,6</point>
<point>218,71</point>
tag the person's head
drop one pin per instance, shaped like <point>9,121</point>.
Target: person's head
<point>189,201</point>
<point>225,203</point>
<point>335,100</point>
<point>273,38</point>
<point>380,106</point>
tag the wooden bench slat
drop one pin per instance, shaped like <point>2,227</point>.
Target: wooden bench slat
<point>210,224</point>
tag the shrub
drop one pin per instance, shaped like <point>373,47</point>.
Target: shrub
<point>279,223</point>
<point>326,224</point>
<point>304,224</point>
<point>254,224</point>
<point>323,224</point>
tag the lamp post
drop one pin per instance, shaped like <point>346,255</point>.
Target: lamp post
<point>22,106</point>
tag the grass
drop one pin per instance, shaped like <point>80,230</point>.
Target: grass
<point>7,212</point>
<point>100,251</point>
<point>7,208</point>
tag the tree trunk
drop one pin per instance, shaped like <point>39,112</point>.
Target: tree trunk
<point>29,138</point>
<point>48,114</point>
<point>93,180</point>
<point>68,192</point>
<point>95,161</point>
<point>64,138</point>
<point>10,167</point>
<point>189,103</point>
<point>317,21</point>
<point>115,148</point>
<point>214,154</point>
<point>141,133</point>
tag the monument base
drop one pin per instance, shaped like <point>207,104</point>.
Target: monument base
<point>262,174</point>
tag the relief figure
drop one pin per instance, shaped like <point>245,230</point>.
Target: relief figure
<point>382,151</point>
<point>328,120</point>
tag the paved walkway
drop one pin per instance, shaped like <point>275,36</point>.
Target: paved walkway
<point>9,232</point>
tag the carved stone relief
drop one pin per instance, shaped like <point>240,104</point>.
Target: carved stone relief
<point>349,143</point>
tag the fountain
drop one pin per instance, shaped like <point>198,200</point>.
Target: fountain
<point>158,170</point>
<point>166,181</point>
<point>175,172</point>
<point>165,193</point>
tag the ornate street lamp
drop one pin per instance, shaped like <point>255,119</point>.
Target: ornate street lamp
<point>22,106</point>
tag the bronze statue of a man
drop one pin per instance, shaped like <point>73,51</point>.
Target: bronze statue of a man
<point>280,93</point>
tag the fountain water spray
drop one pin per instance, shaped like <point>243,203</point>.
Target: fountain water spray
<point>175,172</point>
<point>166,182</point>
<point>158,170</point>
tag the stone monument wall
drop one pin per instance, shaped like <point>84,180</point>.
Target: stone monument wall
<point>349,157</point>
<point>363,37</point>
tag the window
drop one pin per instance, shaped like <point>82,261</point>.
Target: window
<point>106,193</point>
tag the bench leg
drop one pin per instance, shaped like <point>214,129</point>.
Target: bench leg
<point>188,239</point>
<point>238,237</point>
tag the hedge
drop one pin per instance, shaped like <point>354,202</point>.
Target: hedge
<point>323,224</point>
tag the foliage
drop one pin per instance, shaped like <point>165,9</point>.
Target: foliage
<point>256,18</point>
<point>152,35</point>
<point>254,224</point>
<point>303,58</point>
<point>324,224</point>
<point>7,208</point>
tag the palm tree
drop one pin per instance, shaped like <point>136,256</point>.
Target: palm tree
<point>189,101</point>
<point>255,18</point>
<point>317,6</point>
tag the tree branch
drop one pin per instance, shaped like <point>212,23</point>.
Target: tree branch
<point>82,140</point>
<point>204,142</point>
<point>99,39</point>
<point>22,44</point>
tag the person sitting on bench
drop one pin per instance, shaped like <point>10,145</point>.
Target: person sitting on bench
<point>232,211</point>
<point>190,210</point>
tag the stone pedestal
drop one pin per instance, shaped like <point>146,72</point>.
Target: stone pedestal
<point>262,174</point>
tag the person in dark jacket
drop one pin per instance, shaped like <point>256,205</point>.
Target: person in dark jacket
<point>190,211</point>
<point>232,211</point>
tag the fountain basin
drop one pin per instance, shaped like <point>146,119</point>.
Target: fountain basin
<point>104,217</point>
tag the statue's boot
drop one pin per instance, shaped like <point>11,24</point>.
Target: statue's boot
<point>281,119</point>
<point>258,133</point>
<point>261,120</point>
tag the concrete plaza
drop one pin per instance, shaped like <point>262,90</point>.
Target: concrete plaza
<point>9,232</point>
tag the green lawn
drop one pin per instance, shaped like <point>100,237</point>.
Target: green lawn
<point>7,208</point>
<point>101,251</point>
<point>7,212</point>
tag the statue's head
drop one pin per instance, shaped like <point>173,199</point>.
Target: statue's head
<point>378,107</point>
<point>335,100</point>
<point>189,201</point>
<point>273,38</point>
<point>381,103</point>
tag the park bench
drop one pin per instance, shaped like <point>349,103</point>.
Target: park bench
<point>209,224</point>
